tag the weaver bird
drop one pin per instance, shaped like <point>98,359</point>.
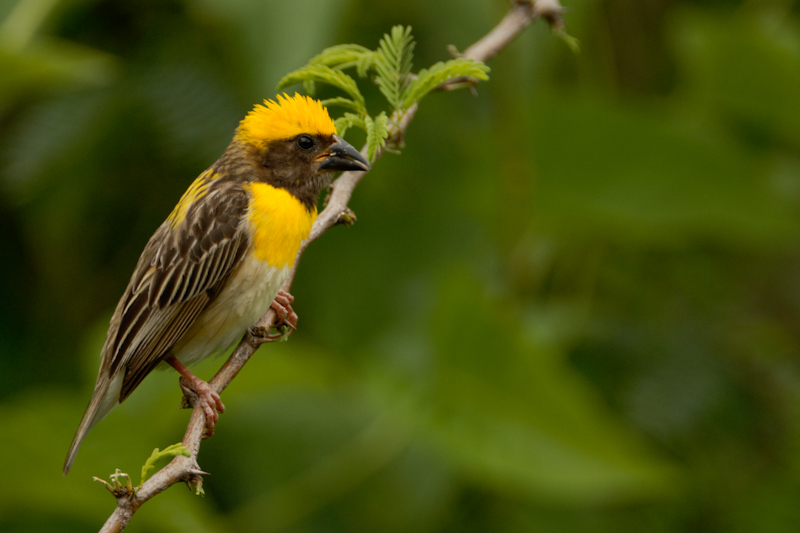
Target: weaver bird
<point>218,261</point>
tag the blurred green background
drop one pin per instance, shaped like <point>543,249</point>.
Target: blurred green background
<point>571,304</point>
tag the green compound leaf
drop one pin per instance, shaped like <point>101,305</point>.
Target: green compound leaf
<point>430,78</point>
<point>169,451</point>
<point>347,121</point>
<point>341,102</point>
<point>346,56</point>
<point>325,74</point>
<point>393,64</point>
<point>377,132</point>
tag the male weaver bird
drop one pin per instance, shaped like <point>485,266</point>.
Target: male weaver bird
<point>215,266</point>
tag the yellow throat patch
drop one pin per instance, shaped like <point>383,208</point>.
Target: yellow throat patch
<point>280,224</point>
<point>284,119</point>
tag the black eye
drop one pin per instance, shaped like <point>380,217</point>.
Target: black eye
<point>305,142</point>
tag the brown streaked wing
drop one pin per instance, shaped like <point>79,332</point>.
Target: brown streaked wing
<point>179,273</point>
<point>154,347</point>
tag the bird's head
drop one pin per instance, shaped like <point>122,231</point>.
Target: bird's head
<point>292,142</point>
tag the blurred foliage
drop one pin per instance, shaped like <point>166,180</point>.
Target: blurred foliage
<point>570,305</point>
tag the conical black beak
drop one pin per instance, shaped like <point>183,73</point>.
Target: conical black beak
<point>342,156</point>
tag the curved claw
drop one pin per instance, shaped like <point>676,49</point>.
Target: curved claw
<point>207,398</point>
<point>282,305</point>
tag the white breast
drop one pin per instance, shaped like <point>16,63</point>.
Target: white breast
<point>245,298</point>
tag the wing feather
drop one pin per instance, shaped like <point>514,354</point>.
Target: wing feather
<point>178,320</point>
<point>180,272</point>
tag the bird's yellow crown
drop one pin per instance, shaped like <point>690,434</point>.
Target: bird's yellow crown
<point>285,118</point>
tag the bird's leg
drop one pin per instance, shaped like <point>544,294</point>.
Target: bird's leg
<point>282,304</point>
<point>286,318</point>
<point>209,399</point>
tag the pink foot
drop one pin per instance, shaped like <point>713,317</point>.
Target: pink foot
<point>282,304</point>
<point>207,398</point>
<point>285,318</point>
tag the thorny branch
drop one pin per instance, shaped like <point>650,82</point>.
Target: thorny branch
<point>186,469</point>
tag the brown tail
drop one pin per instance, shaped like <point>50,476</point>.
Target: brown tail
<point>104,398</point>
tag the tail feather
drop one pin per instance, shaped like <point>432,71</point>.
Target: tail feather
<point>104,398</point>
